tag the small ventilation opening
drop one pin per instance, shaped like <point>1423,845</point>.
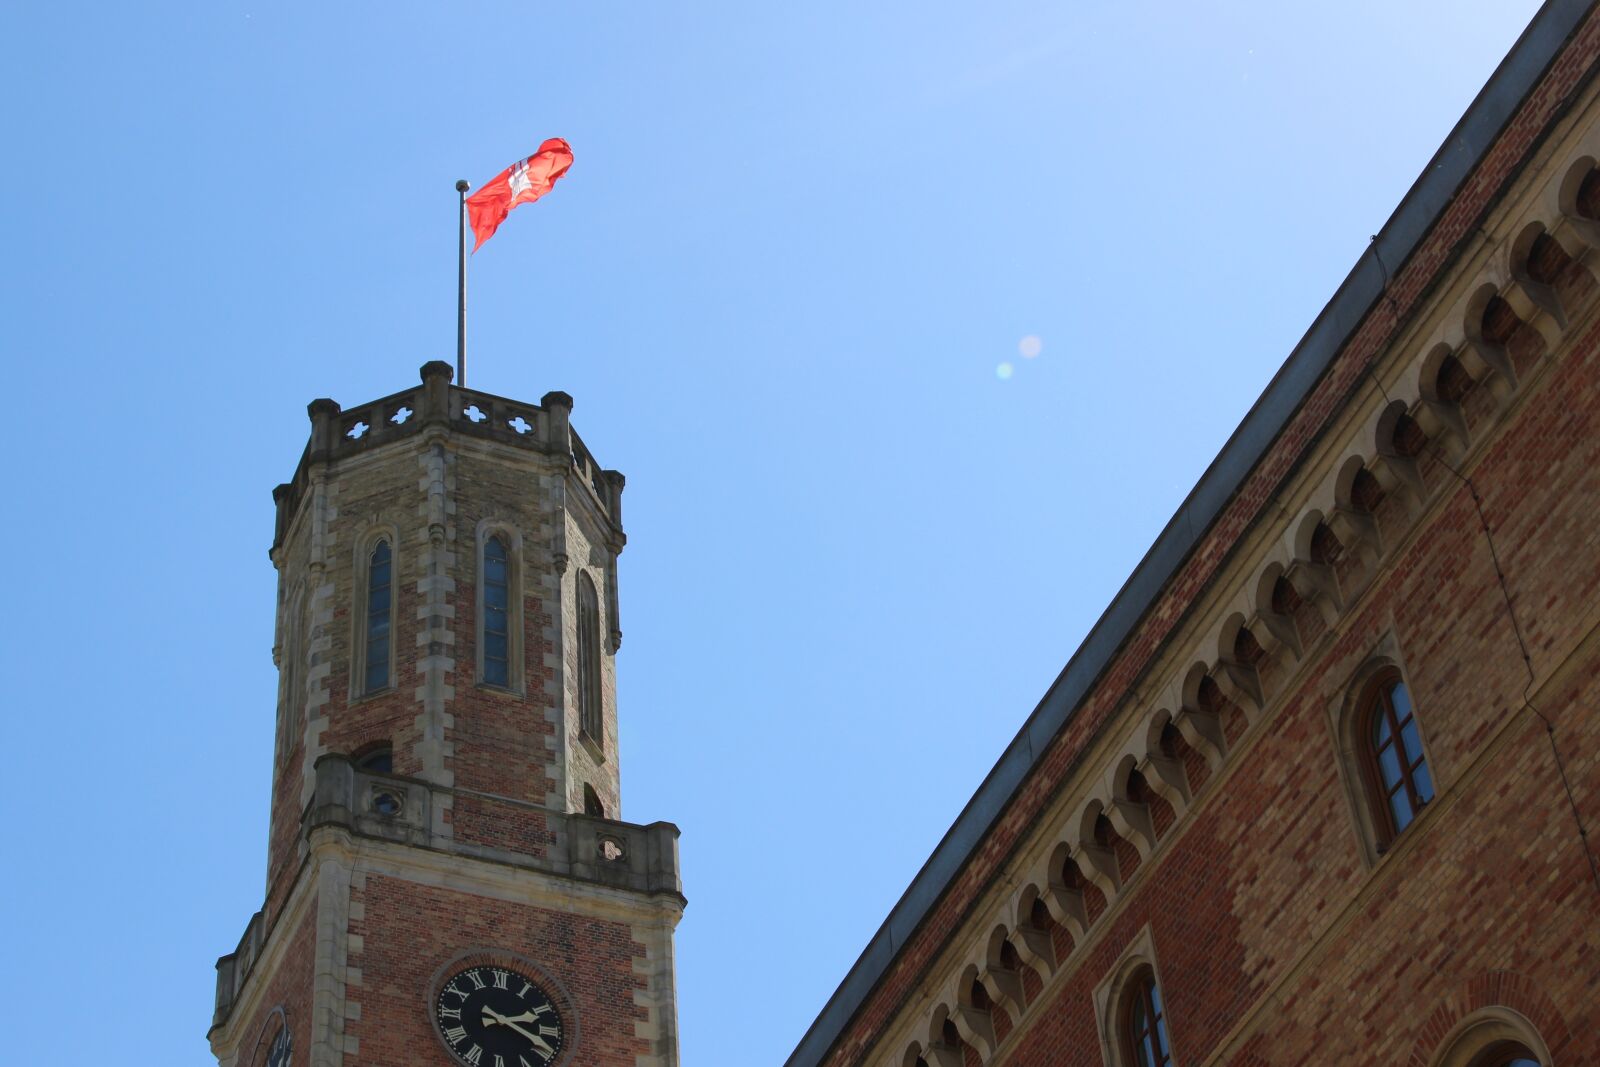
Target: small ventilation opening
<point>591,802</point>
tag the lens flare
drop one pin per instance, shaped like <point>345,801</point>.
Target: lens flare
<point>1030,346</point>
<point>1004,371</point>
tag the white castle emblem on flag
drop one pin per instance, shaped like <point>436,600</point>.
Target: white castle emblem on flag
<point>519,179</point>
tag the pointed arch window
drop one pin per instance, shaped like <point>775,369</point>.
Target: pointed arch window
<point>496,605</point>
<point>1144,1025</point>
<point>590,716</point>
<point>1397,768</point>
<point>380,592</point>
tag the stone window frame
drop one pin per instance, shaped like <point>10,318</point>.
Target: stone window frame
<point>516,608</point>
<point>361,569</point>
<point>1111,1001</point>
<point>594,741</point>
<point>1474,1041</point>
<point>292,654</point>
<point>1346,717</point>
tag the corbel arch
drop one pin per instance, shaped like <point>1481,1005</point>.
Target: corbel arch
<point>912,1057</point>
<point>1275,606</point>
<point>1035,939</point>
<point>1578,199</point>
<point>1004,965</point>
<point>1077,900</point>
<point>975,1011</point>
<point>1131,814</point>
<point>1164,756</point>
<point>1198,719</point>
<point>1490,348</point>
<point>1537,262</point>
<point>945,1047</point>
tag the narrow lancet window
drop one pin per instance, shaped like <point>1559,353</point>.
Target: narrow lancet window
<point>1146,1028</point>
<point>589,713</point>
<point>496,602</point>
<point>1401,770</point>
<point>379,593</point>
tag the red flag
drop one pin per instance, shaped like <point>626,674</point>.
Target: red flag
<point>521,183</point>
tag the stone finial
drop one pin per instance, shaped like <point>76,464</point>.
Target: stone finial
<point>436,375</point>
<point>615,481</point>
<point>559,407</point>
<point>322,412</point>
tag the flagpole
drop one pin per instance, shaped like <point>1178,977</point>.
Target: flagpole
<point>461,284</point>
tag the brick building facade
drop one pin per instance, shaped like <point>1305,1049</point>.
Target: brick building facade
<point>448,880</point>
<point>1320,786</point>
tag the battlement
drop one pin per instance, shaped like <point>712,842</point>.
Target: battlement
<point>641,859</point>
<point>339,434</point>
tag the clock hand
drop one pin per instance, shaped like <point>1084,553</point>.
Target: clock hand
<point>490,1017</point>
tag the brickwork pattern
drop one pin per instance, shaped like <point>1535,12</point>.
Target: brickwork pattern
<point>407,932</point>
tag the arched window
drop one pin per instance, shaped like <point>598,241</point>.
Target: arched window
<point>1144,1024</point>
<point>1509,1056</point>
<point>375,675</point>
<point>496,602</point>
<point>590,718</point>
<point>1396,767</point>
<point>376,759</point>
<point>1495,1036</point>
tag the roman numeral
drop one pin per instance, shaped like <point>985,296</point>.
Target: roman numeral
<point>523,1062</point>
<point>546,1030</point>
<point>451,1013</point>
<point>473,1055</point>
<point>451,988</point>
<point>477,983</point>
<point>540,1010</point>
<point>498,1062</point>
<point>501,978</point>
<point>546,1054</point>
<point>525,987</point>
<point>455,1035</point>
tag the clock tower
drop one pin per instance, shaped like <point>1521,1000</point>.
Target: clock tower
<point>449,880</point>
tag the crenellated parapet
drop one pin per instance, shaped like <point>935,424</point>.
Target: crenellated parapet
<point>360,808</point>
<point>340,434</point>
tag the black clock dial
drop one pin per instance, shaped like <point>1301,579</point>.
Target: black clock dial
<point>491,1016</point>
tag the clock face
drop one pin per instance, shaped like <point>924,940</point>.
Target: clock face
<point>491,1016</point>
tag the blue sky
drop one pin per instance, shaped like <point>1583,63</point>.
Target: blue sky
<point>789,282</point>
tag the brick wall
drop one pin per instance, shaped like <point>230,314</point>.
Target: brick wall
<point>409,931</point>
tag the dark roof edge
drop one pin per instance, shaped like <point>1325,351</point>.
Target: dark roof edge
<point>1418,212</point>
